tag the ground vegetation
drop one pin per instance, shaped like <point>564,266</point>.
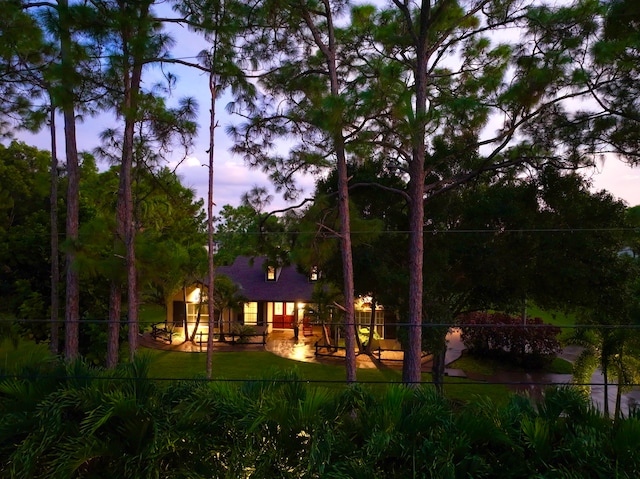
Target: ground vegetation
<point>74,421</point>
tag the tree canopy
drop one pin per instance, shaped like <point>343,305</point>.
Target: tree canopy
<point>465,111</point>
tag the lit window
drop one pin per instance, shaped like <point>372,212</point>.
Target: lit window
<point>315,274</point>
<point>271,273</point>
<point>251,313</point>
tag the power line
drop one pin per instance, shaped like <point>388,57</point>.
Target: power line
<point>465,382</point>
<point>429,231</point>
<point>439,231</point>
<point>124,322</point>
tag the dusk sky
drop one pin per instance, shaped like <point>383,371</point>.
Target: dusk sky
<point>232,177</point>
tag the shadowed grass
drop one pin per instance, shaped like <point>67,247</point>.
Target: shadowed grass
<point>242,366</point>
<point>248,365</point>
<point>489,367</point>
<point>556,318</point>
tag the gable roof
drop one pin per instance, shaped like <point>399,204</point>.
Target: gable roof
<point>249,274</point>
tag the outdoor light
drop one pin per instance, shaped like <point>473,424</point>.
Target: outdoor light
<point>194,297</point>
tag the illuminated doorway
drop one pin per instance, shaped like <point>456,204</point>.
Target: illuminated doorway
<point>283,315</point>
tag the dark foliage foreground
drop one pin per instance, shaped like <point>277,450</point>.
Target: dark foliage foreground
<point>71,421</point>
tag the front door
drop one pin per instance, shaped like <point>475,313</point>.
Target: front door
<point>283,315</point>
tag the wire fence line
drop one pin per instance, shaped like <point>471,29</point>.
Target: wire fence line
<point>434,230</point>
<point>35,377</point>
<point>428,230</point>
<point>630,326</point>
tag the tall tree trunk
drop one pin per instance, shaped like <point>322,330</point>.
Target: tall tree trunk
<point>210,263</point>
<point>133,52</point>
<point>605,376</point>
<point>198,316</point>
<point>329,52</point>
<point>372,326</point>
<point>325,333</point>
<point>115,289</point>
<point>437,370</point>
<point>411,373</point>
<point>186,312</point>
<point>347,261</point>
<point>132,287</point>
<point>113,329</point>
<point>221,325</point>
<point>617,412</point>
<point>411,366</point>
<point>55,255</point>
<point>72,306</point>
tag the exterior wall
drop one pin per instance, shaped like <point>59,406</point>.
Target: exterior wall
<point>363,320</point>
<point>385,320</point>
<point>269,318</point>
<point>390,325</point>
<point>193,296</point>
<point>363,316</point>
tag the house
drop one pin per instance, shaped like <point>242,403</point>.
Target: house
<point>277,297</point>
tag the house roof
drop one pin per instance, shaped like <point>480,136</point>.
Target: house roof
<point>249,274</point>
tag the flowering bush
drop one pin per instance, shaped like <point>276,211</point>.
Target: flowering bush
<point>504,336</point>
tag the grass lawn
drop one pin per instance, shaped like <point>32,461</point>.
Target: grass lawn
<point>489,367</point>
<point>245,365</point>
<point>562,320</point>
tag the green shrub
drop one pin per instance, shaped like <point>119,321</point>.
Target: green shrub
<point>500,335</point>
<point>244,332</point>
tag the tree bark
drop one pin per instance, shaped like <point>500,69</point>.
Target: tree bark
<point>605,376</point>
<point>54,344</point>
<point>411,373</point>
<point>437,369</point>
<point>347,261</point>
<point>186,312</point>
<point>198,316</point>
<point>115,292</point>
<point>616,414</point>
<point>329,52</point>
<point>210,263</point>
<point>113,329</point>
<point>372,325</point>
<point>411,370</point>
<point>133,52</point>
<point>72,304</point>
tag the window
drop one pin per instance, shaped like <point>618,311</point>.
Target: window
<point>251,313</point>
<point>315,274</point>
<point>271,273</point>
<point>363,320</point>
<point>192,313</point>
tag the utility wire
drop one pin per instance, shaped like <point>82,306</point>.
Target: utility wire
<point>440,231</point>
<point>326,235</point>
<point>466,382</point>
<point>364,323</point>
